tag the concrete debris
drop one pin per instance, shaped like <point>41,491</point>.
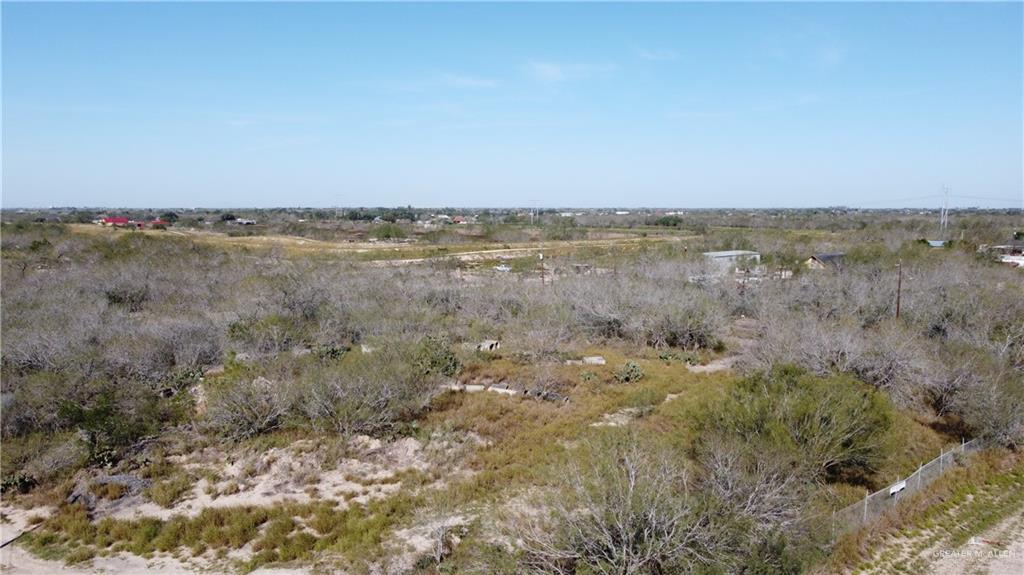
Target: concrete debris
<point>588,360</point>
<point>505,389</point>
<point>488,345</point>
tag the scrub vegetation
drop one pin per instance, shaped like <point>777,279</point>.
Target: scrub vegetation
<point>233,400</point>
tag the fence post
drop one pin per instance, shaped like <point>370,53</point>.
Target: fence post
<point>866,495</point>
<point>919,467</point>
<point>941,454</point>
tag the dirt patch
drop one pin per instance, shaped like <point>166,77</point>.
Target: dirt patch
<point>617,419</point>
<point>997,551</point>
<point>720,364</point>
<point>300,473</point>
<point>434,539</point>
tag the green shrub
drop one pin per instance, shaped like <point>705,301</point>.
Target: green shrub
<point>837,425</point>
<point>387,231</point>
<point>330,352</point>
<point>79,555</point>
<point>109,422</point>
<point>435,356</point>
<point>629,372</point>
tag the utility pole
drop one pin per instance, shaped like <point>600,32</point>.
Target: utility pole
<point>899,287</point>
<point>944,214</point>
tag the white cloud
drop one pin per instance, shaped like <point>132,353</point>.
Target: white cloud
<point>695,114</point>
<point>657,55</point>
<point>547,71</point>
<point>806,99</point>
<point>464,81</point>
<point>830,56</point>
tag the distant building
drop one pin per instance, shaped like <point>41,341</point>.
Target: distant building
<point>1010,253</point>
<point>124,222</point>
<point>733,259</point>
<point>1013,247</point>
<point>825,261</point>
<point>1012,261</point>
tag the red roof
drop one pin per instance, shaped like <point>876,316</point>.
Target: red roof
<point>115,220</point>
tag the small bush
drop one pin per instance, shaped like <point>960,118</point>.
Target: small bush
<point>270,334</point>
<point>79,555</point>
<point>110,491</point>
<point>630,372</point>
<point>435,356</point>
<point>690,329</point>
<point>370,394</point>
<point>247,407</point>
<point>388,231</point>
<point>167,493</point>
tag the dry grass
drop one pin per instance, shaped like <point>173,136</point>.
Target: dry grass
<point>109,491</point>
<point>169,491</point>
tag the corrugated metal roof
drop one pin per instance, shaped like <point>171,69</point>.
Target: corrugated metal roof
<point>730,254</point>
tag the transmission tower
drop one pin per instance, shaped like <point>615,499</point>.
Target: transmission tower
<point>944,214</point>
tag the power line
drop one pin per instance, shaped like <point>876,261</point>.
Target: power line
<point>1009,200</point>
<point>892,200</point>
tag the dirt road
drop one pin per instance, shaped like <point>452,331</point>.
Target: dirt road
<point>997,551</point>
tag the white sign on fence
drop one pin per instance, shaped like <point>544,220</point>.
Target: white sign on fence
<point>896,488</point>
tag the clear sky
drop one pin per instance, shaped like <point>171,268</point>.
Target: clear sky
<point>676,105</point>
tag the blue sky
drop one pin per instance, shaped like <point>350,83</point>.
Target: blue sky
<point>677,105</point>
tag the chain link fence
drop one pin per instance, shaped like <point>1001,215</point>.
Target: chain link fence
<point>877,503</point>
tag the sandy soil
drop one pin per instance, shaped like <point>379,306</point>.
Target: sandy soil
<point>741,339</point>
<point>617,419</point>
<point>370,469</point>
<point>279,475</point>
<point>720,364</point>
<point>998,551</point>
<point>16,561</point>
